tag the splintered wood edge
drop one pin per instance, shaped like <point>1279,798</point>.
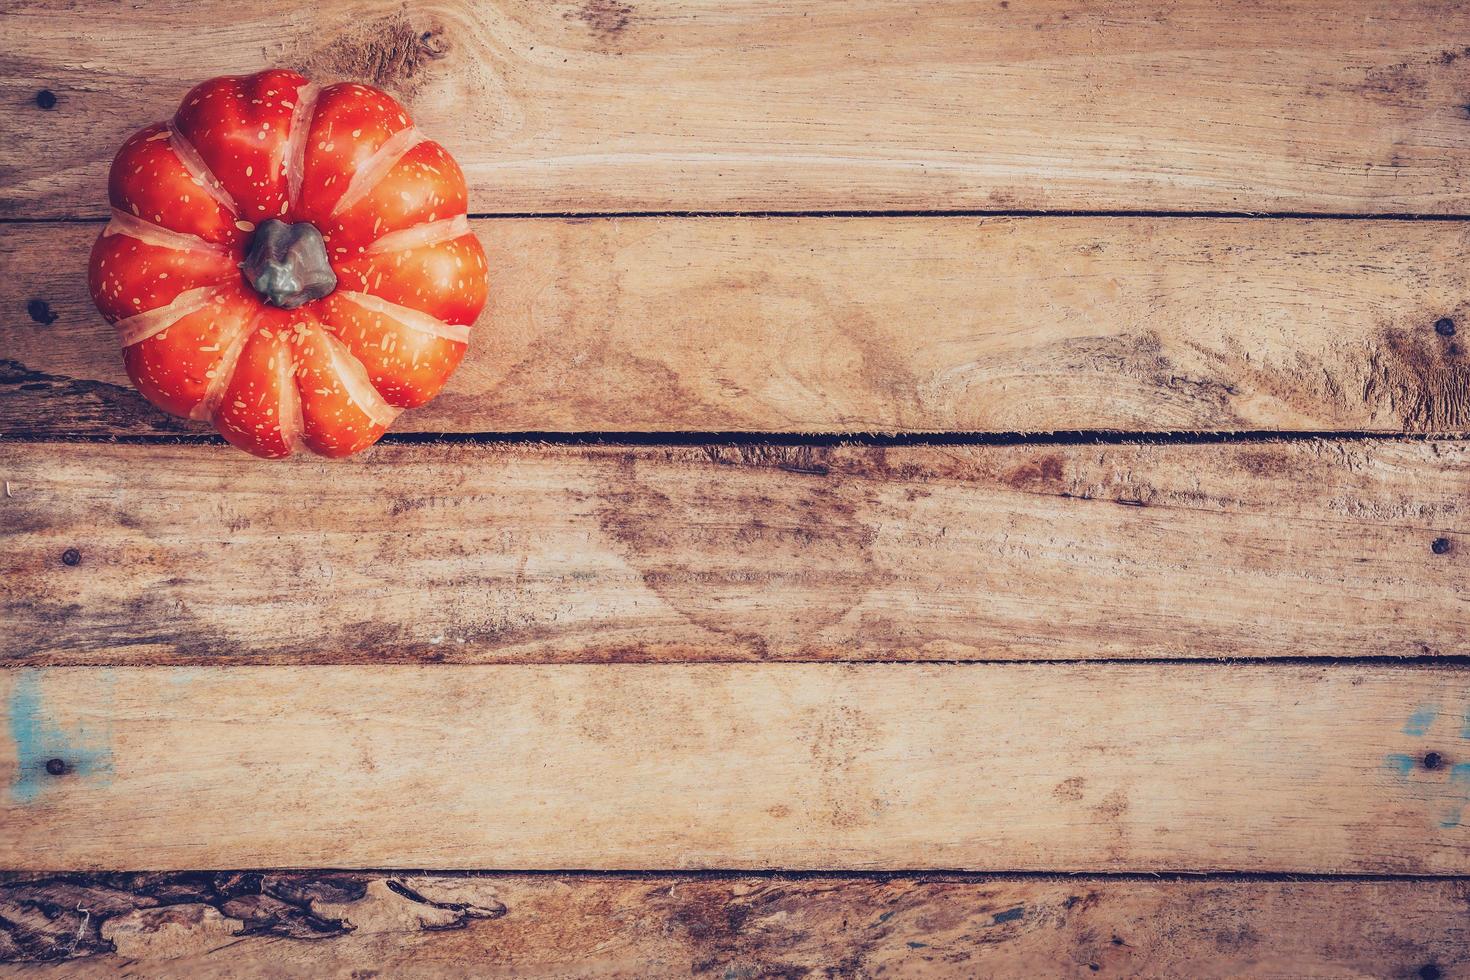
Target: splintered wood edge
<point>629,925</point>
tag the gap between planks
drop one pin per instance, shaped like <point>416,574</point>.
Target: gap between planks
<point>870,213</point>
<point>828,440</point>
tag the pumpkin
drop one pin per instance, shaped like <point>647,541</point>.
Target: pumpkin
<point>289,262</point>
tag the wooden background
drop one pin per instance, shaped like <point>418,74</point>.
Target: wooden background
<point>975,488</point>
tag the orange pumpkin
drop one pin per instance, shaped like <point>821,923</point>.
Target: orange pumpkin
<point>291,263</point>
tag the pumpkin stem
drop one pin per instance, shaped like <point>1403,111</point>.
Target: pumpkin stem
<point>287,264</point>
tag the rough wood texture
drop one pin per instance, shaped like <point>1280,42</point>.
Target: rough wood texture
<point>982,767</point>
<point>1354,106</point>
<point>304,925</point>
<point>842,325</point>
<point>198,554</point>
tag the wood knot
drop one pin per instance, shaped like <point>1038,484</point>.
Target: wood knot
<point>40,311</point>
<point>388,52</point>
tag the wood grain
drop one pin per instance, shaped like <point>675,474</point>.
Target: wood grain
<point>983,767</point>
<point>1352,107</point>
<point>890,325</point>
<point>198,554</point>
<point>304,925</point>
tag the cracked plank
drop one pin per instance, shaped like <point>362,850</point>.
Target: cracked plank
<point>523,553</point>
<point>980,767</point>
<point>576,105</point>
<point>874,324</point>
<point>635,927</point>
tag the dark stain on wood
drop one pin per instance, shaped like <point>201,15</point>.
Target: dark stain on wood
<point>34,400</point>
<point>1070,789</point>
<point>816,534</point>
<point>1042,475</point>
<point>1423,383</point>
<point>607,19</point>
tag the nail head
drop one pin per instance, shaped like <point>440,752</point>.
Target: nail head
<point>46,99</point>
<point>55,767</point>
<point>71,556</point>
<point>1440,546</point>
<point>1444,326</point>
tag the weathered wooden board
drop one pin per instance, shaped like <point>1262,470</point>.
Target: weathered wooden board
<point>334,925</point>
<point>199,554</point>
<point>841,325</point>
<point>1354,106</point>
<point>984,767</point>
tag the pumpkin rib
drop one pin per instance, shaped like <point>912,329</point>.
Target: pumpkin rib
<point>303,114</point>
<point>129,276</point>
<point>141,326</point>
<point>408,316</point>
<point>194,163</point>
<point>407,366</point>
<point>416,236</point>
<point>147,179</point>
<point>376,167</point>
<point>358,385</point>
<point>288,406</point>
<point>445,280</point>
<point>223,372</point>
<point>150,233</point>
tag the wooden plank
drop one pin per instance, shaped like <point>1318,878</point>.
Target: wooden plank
<point>982,767</point>
<point>1356,106</point>
<point>198,554</point>
<point>842,325</point>
<point>293,924</point>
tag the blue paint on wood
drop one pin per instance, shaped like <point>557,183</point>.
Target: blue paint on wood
<point>1400,763</point>
<point>83,751</point>
<point>1459,777</point>
<point>1421,719</point>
